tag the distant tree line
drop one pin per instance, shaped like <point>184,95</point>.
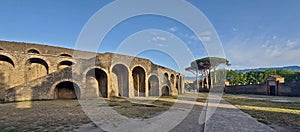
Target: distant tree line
<point>258,77</point>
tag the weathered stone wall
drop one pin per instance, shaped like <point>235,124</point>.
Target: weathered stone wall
<point>34,71</point>
<point>246,89</point>
<point>285,89</point>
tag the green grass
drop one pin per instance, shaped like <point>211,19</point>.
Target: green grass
<point>268,112</point>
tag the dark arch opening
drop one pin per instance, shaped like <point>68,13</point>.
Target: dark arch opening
<point>177,83</point>
<point>153,86</point>
<point>67,90</point>
<point>138,74</point>
<point>165,91</point>
<point>64,64</point>
<point>1,49</point>
<point>33,51</point>
<point>38,61</point>
<point>122,77</point>
<point>65,55</point>
<point>36,68</point>
<point>172,79</point>
<point>7,59</point>
<point>96,82</point>
<point>166,76</point>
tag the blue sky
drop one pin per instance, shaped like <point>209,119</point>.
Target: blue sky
<point>256,33</point>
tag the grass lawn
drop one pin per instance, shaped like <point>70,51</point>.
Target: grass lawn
<point>135,110</point>
<point>279,115</point>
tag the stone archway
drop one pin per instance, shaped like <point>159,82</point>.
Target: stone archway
<point>6,67</point>
<point>36,68</point>
<point>64,64</point>
<point>153,87</point>
<point>177,83</point>
<point>139,77</point>
<point>96,83</point>
<point>67,90</point>
<point>33,51</point>
<point>122,84</point>
<point>172,79</point>
<point>165,91</point>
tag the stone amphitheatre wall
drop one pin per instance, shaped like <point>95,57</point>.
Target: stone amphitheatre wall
<point>31,71</point>
<point>285,89</point>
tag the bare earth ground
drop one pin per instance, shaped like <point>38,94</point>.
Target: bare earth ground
<point>280,113</point>
<point>56,115</point>
<point>67,115</point>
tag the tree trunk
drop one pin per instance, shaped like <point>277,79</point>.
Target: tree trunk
<point>211,79</point>
<point>202,78</point>
<point>206,77</point>
<point>197,80</point>
<point>215,74</point>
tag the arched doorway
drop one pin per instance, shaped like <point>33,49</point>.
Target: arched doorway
<point>64,64</point>
<point>165,91</point>
<point>166,77</point>
<point>138,75</point>
<point>172,80</point>
<point>177,83</point>
<point>67,90</point>
<point>153,86</point>
<point>96,82</point>
<point>36,68</point>
<point>121,73</point>
<point>6,67</point>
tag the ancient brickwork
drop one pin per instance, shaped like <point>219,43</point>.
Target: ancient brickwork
<point>32,71</point>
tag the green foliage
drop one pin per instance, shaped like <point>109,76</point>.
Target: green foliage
<point>258,77</point>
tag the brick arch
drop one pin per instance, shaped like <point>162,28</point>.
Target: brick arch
<point>36,68</point>
<point>177,83</point>
<point>7,59</point>
<point>33,51</point>
<point>65,55</point>
<point>65,89</point>
<point>96,81</point>
<point>165,90</point>
<point>65,63</point>
<point>153,85</point>
<point>139,81</point>
<point>172,79</point>
<point>6,68</point>
<point>122,77</point>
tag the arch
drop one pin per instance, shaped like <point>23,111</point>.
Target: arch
<point>177,83</point>
<point>153,87</point>
<point>33,51</point>
<point>65,55</point>
<point>166,75</point>
<point>64,64</point>
<point>67,90</point>
<point>121,73</point>
<point>139,77</point>
<point>6,68</point>
<point>172,79</point>
<point>7,59</point>
<point>165,91</point>
<point>36,68</point>
<point>96,82</point>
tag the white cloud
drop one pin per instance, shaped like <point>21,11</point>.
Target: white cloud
<point>173,29</point>
<point>261,53</point>
<point>290,43</point>
<point>159,38</point>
